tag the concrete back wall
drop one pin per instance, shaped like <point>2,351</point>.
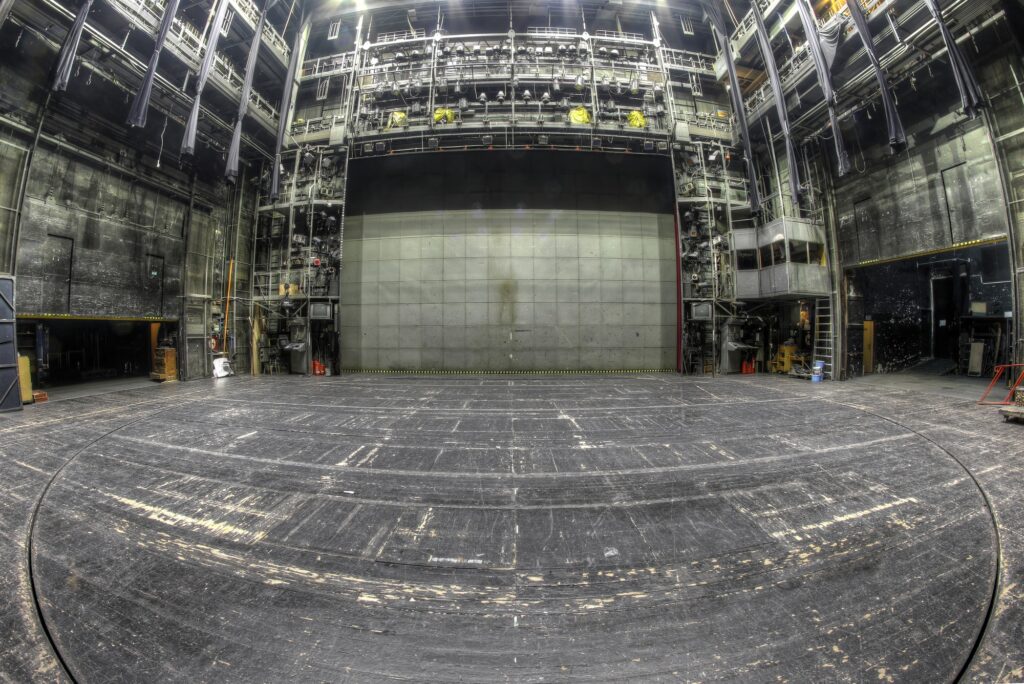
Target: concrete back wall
<point>507,289</point>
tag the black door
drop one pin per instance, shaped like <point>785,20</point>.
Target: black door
<point>57,255</point>
<point>943,323</point>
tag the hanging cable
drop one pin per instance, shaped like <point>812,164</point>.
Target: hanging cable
<point>160,154</point>
<point>863,166</point>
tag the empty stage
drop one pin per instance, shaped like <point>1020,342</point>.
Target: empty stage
<point>488,528</point>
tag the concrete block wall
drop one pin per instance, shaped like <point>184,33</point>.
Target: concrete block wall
<point>107,208</point>
<point>1006,117</point>
<point>942,189</point>
<point>94,244</point>
<point>515,289</point>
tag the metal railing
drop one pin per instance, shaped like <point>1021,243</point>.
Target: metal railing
<point>620,35</point>
<point>234,80</point>
<point>552,31</point>
<point>707,120</point>
<point>689,61</point>
<point>332,65</point>
<point>190,44</point>
<point>248,9</point>
<point>787,73</point>
<point>396,36</point>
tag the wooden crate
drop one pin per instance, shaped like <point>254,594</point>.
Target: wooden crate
<point>165,364</point>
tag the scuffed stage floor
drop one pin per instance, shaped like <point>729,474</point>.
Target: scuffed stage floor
<point>493,528</point>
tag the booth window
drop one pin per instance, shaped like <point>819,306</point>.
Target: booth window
<point>746,259</point>
<point>816,253</point>
<point>766,256</point>
<point>798,250</point>
<point>779,251</point>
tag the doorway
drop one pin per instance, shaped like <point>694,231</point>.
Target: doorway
<point>926,312</point>
<point>65,352</point>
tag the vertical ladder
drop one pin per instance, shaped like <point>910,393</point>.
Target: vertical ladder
<point>695,85</point>
<point>823,334</point>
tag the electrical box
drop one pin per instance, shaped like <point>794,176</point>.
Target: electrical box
<point>700,311</point>
<point>320,311</point>
<point>337,135</point>
<point>682,132</point>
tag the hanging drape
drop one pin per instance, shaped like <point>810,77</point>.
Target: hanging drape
<point>140,105</point>
<point>231,171</point>
<point>722,36</point>
<point>66,59</point>
<point>892,117</point>
<point>970,93</point>
<point>829,37</point>
<point>188,143</point>
<point>780,103</point>
<point>5,10</point>
<point>825,79</point>
<point>286,105</point>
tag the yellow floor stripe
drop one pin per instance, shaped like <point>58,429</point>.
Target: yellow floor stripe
<point>506,372</point>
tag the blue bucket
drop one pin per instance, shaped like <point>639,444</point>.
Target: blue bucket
<point>818,373</point>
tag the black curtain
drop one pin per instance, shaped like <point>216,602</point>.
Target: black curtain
<point>286,105</point>
<point>140,105</point>
<point>5,10</point>
<point>231,171</point>
<point>780,103</point>
<point>825,79</point>
<point>722,36</point>
<point>970,93</point>
<point>66,59</point>
<point>188,143</point>
<point>892,117</point>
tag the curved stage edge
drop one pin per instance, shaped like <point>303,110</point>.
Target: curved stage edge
<point>526,528</point>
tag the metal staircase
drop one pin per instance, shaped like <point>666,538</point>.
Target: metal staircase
<point>823,340</point>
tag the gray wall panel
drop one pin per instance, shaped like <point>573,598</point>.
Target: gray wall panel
<point>508,290</point>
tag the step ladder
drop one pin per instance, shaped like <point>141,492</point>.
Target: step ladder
<point>823,335</point>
